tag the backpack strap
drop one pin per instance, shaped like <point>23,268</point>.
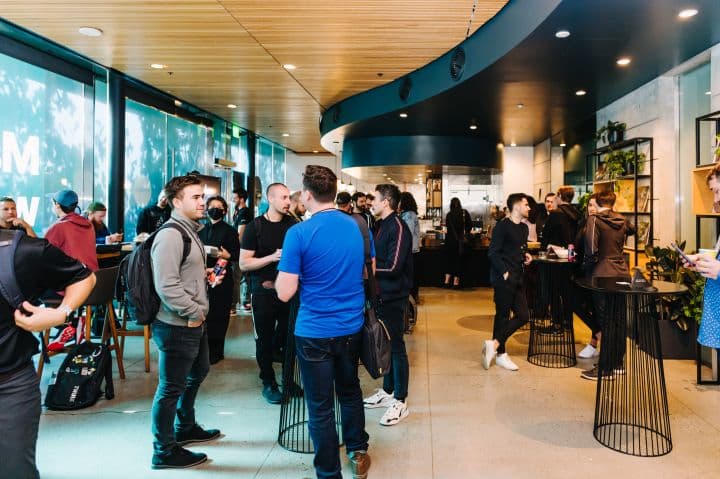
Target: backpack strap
<point>187,242</point>
<point>365,231</point>
<point>9,287</point>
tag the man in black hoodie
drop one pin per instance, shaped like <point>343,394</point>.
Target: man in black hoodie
<point>394,271</point>
<point>561,226</point>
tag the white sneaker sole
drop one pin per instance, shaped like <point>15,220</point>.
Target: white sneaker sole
<point>384,403</point>
<point>403,415</point>
<point>486,358</point>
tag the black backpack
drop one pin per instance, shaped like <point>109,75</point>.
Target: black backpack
<point>136,277</point>
<point>78,382</point>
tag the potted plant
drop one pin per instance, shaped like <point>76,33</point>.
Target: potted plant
<point>615,164</point>
<point>611,133</point>
<point>679,334</point>
<point>632,160</point>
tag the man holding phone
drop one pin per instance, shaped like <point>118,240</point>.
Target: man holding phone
<point>261,250</point>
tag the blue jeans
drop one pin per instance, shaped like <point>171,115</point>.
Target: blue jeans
<point>391,313</point>
<point>324,362</point>
<point>19,421</point>
<point>182,365</point>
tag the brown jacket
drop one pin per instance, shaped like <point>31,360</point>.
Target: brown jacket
<point>604,240</point>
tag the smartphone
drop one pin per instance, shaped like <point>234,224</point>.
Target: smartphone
<point>682,254</point>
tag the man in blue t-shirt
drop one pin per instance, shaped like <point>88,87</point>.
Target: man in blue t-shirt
<point>323,257</point>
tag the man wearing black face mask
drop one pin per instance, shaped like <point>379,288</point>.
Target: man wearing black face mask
<point>223,236</point>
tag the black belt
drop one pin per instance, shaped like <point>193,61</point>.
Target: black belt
<point>8,375</point>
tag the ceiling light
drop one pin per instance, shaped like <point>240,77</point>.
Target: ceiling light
<point>178,103</point>
<point>562,34</point>
<point>520,106</point>
<point>289,66</point>
<point>231,105</point>
<point>562,145</point>
<point>687,13</point>
<point>473,127</point>
<point>403,115</point>
<point>581,93</point>
<point>623,62</point>
<point>708,92</point>
<point>513,144</point>
<point>90,31</point>
<point>420,175</point>
<point>384,174</point>
<point>286,134</point>
<point>428,171</point>
<point>315,151</point>
<point>157,66</point>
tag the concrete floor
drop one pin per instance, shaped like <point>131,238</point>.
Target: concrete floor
<point>465,422</point>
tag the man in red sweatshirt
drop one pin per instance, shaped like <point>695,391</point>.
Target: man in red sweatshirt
<point>72,234</point>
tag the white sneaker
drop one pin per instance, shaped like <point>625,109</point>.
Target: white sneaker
<point>589,351</point>
<point>397,411</point>
<point>379,399</point>
<point>504,361</point>
<point>488,353</point>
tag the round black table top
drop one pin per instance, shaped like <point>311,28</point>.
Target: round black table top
<point>537,259</point>
<point>621,284</point>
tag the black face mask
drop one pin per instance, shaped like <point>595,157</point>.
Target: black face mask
<point>216,213</point>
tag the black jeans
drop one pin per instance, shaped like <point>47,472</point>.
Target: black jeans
<point>268,312</point>
<point>415,291</point>
<point>183,364</point>
<point>19,421</point>
<point>391,313</point>
<point>509,295</point>
<point>218,317</point>
<point>324,362</point>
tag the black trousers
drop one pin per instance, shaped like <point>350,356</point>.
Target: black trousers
<point>509,296</point>
<point>415,291</point>
<point>218,318</point>
<point>269,314</point>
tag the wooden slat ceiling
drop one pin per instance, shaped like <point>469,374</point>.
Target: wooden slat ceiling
<point>232,51</point>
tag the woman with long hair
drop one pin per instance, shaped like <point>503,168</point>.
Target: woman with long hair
<point>409,214</point>
<point>458,223</point>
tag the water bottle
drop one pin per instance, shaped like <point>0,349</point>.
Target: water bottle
<point>571,253</point>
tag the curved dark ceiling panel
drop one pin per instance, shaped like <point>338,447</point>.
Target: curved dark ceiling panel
<point>529,94</point>
<point>486,46</point>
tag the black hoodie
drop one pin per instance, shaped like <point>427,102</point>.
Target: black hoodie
<point>604,240</point>
<point>393,257</point>
<point>561,226</point>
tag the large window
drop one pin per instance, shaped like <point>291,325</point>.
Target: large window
<point>47,139</point>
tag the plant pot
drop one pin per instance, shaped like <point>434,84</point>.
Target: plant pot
<point>629,167</point>
<point>678,344</point>
<point>615,136</point>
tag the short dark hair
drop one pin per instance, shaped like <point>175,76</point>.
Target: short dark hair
<point>343,198</point>
<point>357,195</point>
<point>407,202</point>
<point>241,193</point>
<point>605,199</point>
<point>174,188</point>
<point>390,193</point>
<point>549,195</point>
<point>273,185</point>
<point>217,198</point>
<point>321,182</point>
<point>96,206</point>
<point>566,193</point>
<point>369,196</point>
<point>7,198</point>
<point>515,198</point>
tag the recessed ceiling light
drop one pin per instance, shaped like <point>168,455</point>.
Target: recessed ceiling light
<point>315,151</point>
<point>708,92</point>
<point>286,134</point>
<point>157,66</point>
<point>403,115</point>
<point>428,171</point>
<point>520,106</point>
<point>562,34</point>
<point>562,145</point>
<point>231,105</point>
<point>473,127</point>
<point>178,103</point>
<point>289,66</point>
<point>513,144</point>
<point>90,31</point>
<point>581,93</point>
<point>687,13</point>
<point>623,62</point>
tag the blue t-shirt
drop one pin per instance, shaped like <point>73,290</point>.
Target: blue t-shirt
<point>327,253</point>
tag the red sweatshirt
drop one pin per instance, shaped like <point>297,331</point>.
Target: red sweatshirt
<point>75,236</point>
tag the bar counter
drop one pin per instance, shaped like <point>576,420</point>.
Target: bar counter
<point>475,266</point>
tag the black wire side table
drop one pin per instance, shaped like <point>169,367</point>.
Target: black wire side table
<point>293,432</point>
<point>552,336</point>
<point>631,407</point>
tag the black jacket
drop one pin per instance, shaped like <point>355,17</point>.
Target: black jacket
<point>507,251</point>
<point>152,218</point>
<point>393,258</point>
<point>604,241</point>
<point>561,227</point>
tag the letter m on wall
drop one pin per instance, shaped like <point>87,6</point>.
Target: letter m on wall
<point>27,162</point>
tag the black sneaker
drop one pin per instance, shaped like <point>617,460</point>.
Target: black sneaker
<point>272,394</point>
<point>179,458</point>
<point>196,434</point>
<point>590,374</point>
<point>294,389</point>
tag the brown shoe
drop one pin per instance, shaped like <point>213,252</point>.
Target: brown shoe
<point>359,464</point>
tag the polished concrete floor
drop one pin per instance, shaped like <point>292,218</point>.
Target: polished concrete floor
<point>465,422</point>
